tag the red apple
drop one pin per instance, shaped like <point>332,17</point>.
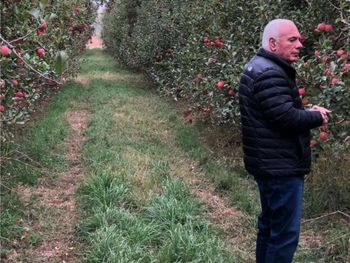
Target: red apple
<point>15,82</point>
<point>230,92</point>
<point>317,53</point>
<point>313,143</point>
<point>328,28</point>
<point>40,33</point>
<point>206,109</point>
<point>206,40</point>
<point>321,27</point>
<point>301,91</point>
<point>346,67</point>
<point>340,52</point>
<point>218,43</point>
<point>220,84</point>
<point>2,108</point>
<point>43,26</point>
<point>20,94</point>
<point>328,72</point>
<point>344,56</point>
<point>323,135</point>
<point>5,51</point>
<point>40,52</point>
<point>77,10</point>
<point>334,81</point>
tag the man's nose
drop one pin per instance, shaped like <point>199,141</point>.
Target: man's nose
<point>299,45</point>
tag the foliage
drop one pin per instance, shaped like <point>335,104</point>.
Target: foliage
<point>40,44</point>
<point>188,47</point>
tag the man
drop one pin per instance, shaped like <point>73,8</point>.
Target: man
<point>276,139</point>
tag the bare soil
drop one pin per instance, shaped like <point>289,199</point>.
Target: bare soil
<point>95,42</point>
<point>230,220</point>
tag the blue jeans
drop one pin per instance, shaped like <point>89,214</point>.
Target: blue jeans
<point>279,221</point>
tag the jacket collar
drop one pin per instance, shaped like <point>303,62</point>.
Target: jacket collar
<point>287,67</point>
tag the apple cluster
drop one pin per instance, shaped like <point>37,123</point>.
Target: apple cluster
<point>325,75</point>
<point>217,42</point>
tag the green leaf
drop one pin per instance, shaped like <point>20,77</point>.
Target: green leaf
<point>333,66</point>
<point>52,16</point>
<point>16,10</point>
<point>35,12</point>
<point>60,61</point>
<point>43,4</point>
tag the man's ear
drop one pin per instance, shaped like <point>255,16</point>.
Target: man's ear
<point>272,44</point>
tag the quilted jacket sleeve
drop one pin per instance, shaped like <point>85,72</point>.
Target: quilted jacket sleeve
<point>274,96</point>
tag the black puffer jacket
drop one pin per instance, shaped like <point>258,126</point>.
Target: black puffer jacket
<point>275,126</point>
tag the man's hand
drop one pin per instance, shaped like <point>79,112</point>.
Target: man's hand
<point>324,113</point>
<point>320,109</point>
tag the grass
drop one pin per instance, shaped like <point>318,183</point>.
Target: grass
<point>135,207</point>
<point>328,186</point>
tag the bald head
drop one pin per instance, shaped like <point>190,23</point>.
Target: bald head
<point>281,37</point>
<point>273,29</point>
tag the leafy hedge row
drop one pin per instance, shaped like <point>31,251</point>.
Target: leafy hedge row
<point>40,44</point>
<point>197,50</point>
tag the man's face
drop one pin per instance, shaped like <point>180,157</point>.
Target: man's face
<point>287,45</point>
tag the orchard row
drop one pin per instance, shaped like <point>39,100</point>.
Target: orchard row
<point>40,44</point>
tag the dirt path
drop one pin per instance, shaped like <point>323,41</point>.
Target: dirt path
<point>95,42</point>
<point>55,199</point>
<point>230,220</point>
<point>236,234</point>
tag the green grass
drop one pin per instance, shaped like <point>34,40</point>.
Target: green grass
<point>133,204</point>
<point>104,190</point>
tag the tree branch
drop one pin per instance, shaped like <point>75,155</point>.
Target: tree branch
<point>26,64</point>
<point>326,215</point>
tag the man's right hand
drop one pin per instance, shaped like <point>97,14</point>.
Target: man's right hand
<point>323,111</point>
